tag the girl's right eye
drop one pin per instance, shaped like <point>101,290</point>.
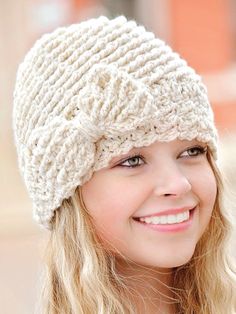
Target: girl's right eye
<point>132,162</point>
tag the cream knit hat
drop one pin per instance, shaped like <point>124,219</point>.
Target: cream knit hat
<point>90,91</point>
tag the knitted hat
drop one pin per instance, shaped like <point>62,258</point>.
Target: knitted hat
<point>90,91</point>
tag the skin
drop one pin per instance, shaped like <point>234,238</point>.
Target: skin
<point>169,175</point>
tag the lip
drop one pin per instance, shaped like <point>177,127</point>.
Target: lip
<point>176,227</point>
<point>171,211</point>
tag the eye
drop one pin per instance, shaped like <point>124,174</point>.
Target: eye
<point>132,162</point>
<point>194,151</point>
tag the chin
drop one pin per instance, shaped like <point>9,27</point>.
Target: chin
<point>177,261</point>
<point>171,261</point>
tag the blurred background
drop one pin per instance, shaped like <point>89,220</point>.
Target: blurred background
<point>203,32</point>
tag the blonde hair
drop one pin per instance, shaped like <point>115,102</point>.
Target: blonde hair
<point>81,276</point>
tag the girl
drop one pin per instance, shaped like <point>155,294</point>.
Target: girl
<point>117,146</point>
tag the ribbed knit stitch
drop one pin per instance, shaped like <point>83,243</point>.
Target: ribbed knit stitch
<point>90,91</point>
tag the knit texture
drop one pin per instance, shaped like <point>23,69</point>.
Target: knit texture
<point>90,91</point>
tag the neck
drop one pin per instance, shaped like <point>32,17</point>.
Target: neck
<point>148,288</point>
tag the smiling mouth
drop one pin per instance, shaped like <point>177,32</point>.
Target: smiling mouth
<point>166,219</point>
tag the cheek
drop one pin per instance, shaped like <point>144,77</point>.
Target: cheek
<point>205,188</point>
<point>112,202</point>
<point>110,199</point>
<point>209,188</point>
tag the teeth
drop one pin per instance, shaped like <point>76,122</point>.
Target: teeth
<point>171,219</point>
<point>168,219</point>
<point>163,219</point>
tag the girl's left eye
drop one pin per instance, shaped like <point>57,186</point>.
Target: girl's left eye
<point>132,162</point>
<point>194,151</point>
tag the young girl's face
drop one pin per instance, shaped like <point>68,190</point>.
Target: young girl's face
<point>154,206</point>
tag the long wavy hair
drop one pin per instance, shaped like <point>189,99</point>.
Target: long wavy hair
<point>80,276</point>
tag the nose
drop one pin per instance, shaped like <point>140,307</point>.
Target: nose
<point>171,180</point>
